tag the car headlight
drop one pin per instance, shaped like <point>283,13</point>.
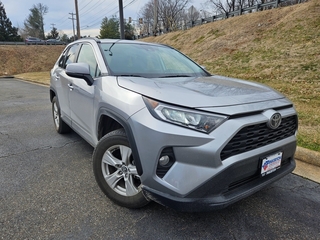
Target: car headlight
<point>195,120</point>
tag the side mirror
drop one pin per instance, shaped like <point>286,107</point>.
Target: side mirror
<point>80,70</point>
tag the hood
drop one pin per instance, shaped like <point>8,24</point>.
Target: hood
<point>200,92</point>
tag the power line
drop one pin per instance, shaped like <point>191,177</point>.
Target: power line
<point>98,20</point>
<point>92,7</point>
<point>85,5</point>
<point>129,4</point>
<point>98,13</point>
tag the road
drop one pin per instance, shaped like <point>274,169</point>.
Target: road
<point>48,191</point>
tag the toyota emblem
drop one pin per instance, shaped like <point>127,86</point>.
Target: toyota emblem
<point>274,121</point>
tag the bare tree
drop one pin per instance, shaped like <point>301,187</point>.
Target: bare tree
<point>224,6</point>
<point>170,12</point>
<point>193,14</point>
<point>147,15</point>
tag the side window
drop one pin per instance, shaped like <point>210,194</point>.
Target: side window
<point>62,58</point>
<point>86,55</point>
<point>70,56</point>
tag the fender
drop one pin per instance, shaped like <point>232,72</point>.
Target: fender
<point>124,123</point>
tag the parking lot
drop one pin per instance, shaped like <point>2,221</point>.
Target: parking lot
<point>48,190</point>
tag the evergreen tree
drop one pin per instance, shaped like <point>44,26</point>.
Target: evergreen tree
<point>53,33</point>
<point>128,31</point>
<point>7,31</point>
<point>34,24</point>
<point>109,28</point>
<point>64,38</point>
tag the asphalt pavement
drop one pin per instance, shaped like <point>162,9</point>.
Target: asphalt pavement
<point>48,190</point>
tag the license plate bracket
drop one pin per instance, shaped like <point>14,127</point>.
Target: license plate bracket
<point>271,163</point>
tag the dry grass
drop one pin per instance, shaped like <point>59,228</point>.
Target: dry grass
<point>278,47</point>
<point>36,77</point>
<point>21,59</point>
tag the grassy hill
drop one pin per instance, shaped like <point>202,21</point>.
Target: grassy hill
<point>278,47</point>
<point>15,59</point>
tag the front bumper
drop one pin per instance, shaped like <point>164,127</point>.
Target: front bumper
<point>199,179</point>
<point>215,197</point>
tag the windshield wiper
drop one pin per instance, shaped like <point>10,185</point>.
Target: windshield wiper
<point>176,75</point>
<point>128,75</point>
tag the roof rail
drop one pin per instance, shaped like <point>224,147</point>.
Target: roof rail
<point>97,40</point>
<point>93,38</point>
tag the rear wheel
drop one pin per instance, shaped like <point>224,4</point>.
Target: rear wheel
<point>59,124</point>
<point>115,171</point>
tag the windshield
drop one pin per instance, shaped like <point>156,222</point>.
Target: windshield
<point>141,60</point>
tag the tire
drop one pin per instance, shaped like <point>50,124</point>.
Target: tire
<point>60,125</point>
<point>115,172</point>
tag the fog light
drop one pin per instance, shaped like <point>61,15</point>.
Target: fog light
<point>164,160</point>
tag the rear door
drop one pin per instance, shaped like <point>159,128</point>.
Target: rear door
<point>64,82</point>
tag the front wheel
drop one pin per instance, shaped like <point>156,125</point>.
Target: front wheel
<point>115,171</point>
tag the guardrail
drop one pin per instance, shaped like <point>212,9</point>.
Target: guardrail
<point>240,11</point>
<point>12,43</point>
<point>23,43</point>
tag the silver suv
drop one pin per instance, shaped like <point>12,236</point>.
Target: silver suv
<point>164,129</point>
<point>34,41</point>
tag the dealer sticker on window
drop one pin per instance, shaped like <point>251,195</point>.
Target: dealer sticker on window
<point>271,163</point>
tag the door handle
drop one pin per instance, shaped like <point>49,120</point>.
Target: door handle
<point>70,86</point>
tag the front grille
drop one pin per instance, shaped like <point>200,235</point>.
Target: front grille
<point>259,135</point>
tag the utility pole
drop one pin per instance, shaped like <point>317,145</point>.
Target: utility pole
<point>155,17</point>
<point>72,18</point>
<point>121,19</point>
<point>78,19</point>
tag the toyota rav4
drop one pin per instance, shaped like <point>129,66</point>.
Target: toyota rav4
<point>165,129</point>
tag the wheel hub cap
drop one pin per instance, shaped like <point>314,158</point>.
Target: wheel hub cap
<point>124,169</point>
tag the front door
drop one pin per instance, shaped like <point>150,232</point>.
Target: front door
<point>81,96</point>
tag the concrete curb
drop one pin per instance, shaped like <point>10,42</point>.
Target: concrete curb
<point>7,76</point>
<point>308,156</point>
<point>27,80</point>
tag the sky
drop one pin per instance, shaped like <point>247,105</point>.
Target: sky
<point>91,13</point>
